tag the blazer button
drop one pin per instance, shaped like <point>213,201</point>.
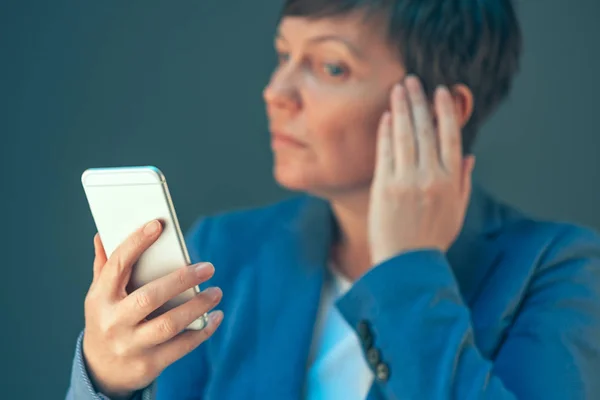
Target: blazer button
<point>373,357</point>
<point>365,335</point>
<point>382,372</point>
<point>364,330</point>
<point>367,342</point>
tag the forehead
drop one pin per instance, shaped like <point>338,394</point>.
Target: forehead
<point>364,34</point>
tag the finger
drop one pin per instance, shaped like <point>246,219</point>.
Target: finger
<point>467,184</point>
<point>171,351</point>
<point>423,125</point>
<point>449,132</point>
<point>405,145</point>
<point>384,163</point>
<point>117,270</point>
<point>141,302</point>
<point>99,257</point>
<point>166,326</point>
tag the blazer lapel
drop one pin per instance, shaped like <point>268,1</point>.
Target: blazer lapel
<point>475,250</point>
<point>289,289</point>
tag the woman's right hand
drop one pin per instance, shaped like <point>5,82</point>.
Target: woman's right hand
<point>124,351</point>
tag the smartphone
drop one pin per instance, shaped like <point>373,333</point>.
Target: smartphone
<point>123,199</point>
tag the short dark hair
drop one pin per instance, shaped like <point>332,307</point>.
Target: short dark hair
<point>474,42</point>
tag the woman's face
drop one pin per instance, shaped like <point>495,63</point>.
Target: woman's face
<point>326,95</point>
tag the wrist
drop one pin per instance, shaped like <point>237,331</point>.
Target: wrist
<point>100,387</point>
<point>381,256</point>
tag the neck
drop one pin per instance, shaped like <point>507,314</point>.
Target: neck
<point>351,252</point>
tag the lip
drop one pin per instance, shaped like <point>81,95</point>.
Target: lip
<point>279,139</point>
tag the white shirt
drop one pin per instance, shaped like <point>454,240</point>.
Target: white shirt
<point>337,368</point>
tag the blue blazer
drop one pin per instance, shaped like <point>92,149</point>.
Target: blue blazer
<point>511,311</point>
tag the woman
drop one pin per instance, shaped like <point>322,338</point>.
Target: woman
<point>393,278</point>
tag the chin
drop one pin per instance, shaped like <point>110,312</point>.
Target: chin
<point>298,180</point>
<point>291,179</point>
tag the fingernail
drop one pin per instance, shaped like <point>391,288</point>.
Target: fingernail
<point>151,228</point>
<point>216,316</point>
<point>398,88</point>
<point>443,90</point>
<point>213,293</point>
<point>202,269</point>
<point>413,82</point>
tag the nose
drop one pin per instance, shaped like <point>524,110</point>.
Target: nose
<point>281,92</point>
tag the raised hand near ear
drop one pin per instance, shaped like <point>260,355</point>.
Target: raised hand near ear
<point>422,182</point>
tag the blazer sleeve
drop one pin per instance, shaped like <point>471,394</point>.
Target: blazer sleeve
<point>411,308</point>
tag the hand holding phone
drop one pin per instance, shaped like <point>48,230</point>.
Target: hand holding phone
<point>125,349</point>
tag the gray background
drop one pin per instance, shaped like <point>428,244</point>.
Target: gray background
<point>178,85</point>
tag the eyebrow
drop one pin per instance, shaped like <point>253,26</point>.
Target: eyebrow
<point>326,38</point>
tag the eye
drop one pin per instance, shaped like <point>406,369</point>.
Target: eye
<point>335,70</point>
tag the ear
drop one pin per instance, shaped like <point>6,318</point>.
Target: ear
<point>463,103</point>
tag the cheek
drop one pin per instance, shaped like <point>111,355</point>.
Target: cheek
<point>344,136</point>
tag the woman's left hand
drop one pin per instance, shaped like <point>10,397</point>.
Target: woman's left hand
<point>422,182</point>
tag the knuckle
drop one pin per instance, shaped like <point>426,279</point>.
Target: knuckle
<point>400,186</point>
<point>167,327</point>
<point>143,299</point>
<point>429,184</point>
<point>142,368</point>
<point>394,190</point>
<point>136,240</point>
<point>121,348</point>
<point>182,276</point>
<point>108,328</point>
<point>443,182</point>
<point>120,259</point>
